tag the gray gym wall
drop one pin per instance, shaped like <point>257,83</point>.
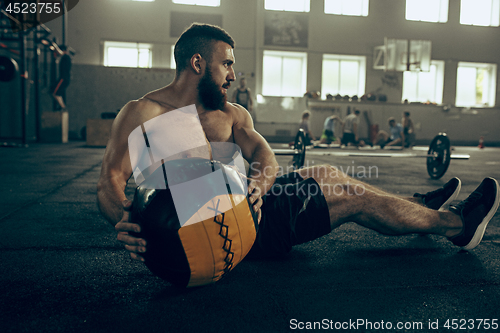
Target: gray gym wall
<point>95,89</point>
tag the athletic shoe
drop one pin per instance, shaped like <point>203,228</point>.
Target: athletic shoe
<point>441,198</point>
<point>476,211</point>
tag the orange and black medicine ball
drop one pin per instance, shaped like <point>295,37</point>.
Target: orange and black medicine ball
<point>196,218</point>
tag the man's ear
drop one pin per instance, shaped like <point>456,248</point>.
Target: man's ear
<point>198,63</point>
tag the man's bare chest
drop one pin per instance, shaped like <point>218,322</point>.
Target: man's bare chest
<point>217,127</point>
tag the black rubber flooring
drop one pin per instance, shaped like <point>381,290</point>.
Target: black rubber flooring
<point>63,271</point>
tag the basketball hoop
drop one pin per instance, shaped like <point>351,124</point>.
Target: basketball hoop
<point>403,55</point>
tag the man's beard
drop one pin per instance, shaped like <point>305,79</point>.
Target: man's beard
<point>211,95</point>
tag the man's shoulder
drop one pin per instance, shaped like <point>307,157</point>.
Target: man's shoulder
<point>234,108</point>
<point>141,110</point>
<point>236,111</point>
<point>143,105</point>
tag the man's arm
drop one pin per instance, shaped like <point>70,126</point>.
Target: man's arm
<point>116,168</point>
<point>256,150</point>
<point>115,172</point>
<point>335,117</point>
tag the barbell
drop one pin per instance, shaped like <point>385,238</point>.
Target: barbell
<point>299,151</point>
<point>438,155</point>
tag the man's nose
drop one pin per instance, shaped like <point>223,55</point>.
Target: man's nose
<point>231,76</point>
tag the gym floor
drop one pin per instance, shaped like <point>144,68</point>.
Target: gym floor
<point>63,270</point>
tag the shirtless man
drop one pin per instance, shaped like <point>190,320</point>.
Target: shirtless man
<point>204,57</point>
<point>408,129</point>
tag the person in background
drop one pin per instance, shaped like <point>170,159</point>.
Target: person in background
<point>408,129</point>
<point>396,136</point>
<point>304,125</point>
<point>328,135</point>
<point>243,96</point>
<point>350,130</point>
<point>62,83</point>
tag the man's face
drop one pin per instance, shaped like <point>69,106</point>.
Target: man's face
<point>392,123</point>
<point>243,83</point>
<point>214,84</point>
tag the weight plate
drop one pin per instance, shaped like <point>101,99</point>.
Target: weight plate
<point>439,156</point>
<point>8,69</point>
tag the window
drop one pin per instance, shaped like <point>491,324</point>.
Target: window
<point>284,73</point>
<point>210,3</point>
<point>122,54</point>
<point>344,75</point>
<point>288,5</point>
<point>347,7</point>
<point>480,12</point>
<point>427,10</point>
<point>425,86</point>
<point>476,84</point>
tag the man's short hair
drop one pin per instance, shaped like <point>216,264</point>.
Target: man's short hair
<point>357,112</point>
<point>306,114</point>
<point>407,113</point>
<point>198,38</point>
<point>391,119</point>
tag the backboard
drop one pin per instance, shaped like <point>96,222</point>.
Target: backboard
<point>403,55</point>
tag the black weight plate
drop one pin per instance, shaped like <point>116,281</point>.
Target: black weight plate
<point>8,69</point>
<point>439,156</point>
<point>300,147</point>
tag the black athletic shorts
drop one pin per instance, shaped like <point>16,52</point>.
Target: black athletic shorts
<point>294,212</point>
<point>349,138</point>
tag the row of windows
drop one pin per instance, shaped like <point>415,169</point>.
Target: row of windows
<point>472,12</point>
<point>345,75</point>
<point>285,74</point>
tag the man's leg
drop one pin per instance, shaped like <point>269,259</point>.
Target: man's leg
<point>394,142</point>
<point>324,137</point>
<point>350,200</point>
<point>431,200</point>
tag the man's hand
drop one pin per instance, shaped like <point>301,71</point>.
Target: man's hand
<point>132,244</point>
<point>255,198</point>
